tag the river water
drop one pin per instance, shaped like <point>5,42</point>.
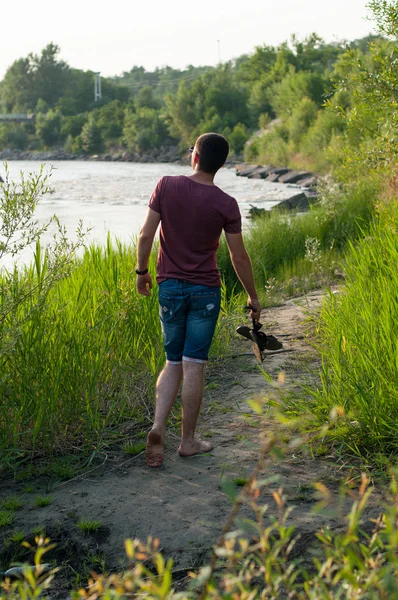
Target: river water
<point>113,197</point>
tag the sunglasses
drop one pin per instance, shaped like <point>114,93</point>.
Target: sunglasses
<point>192,148</point>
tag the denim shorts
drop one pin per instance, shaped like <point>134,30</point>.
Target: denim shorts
<point>188,314</point>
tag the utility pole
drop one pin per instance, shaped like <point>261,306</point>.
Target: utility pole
<point>97,87</point>
<point>219,51</point>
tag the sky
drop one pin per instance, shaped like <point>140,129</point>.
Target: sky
<point>111,36</point>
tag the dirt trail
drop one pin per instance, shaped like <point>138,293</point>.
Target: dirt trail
<point>182,503</point>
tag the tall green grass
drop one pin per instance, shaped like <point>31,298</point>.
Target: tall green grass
<point>358,331</point>
<point>87,360</point>
<point>76,363</point>
<point>277,242</point>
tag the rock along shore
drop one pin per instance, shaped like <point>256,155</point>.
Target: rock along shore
<point>304,182</point>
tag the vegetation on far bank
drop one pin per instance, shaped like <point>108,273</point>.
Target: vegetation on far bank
<point>275,94</point>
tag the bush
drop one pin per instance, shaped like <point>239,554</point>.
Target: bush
<point>272,147</point>
<point>48,127</point>
<point>300,120</point>
<point>237,138</point>
<point>144,130</point>
<point>318,138</point>
<point>91,138</point>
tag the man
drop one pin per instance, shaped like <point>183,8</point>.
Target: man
<point>193,212</point>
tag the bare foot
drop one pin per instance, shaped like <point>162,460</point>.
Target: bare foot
<point>195,447</point>
<point>154,449</point>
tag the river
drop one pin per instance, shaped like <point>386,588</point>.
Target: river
<point>113,196</point>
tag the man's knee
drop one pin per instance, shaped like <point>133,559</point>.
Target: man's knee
<point>193,366</point>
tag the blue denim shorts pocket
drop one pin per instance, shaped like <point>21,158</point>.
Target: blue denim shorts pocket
<point>206,304</point>
<point>167,308</point>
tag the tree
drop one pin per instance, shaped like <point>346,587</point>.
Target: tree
<point>214,101</point>
<point>253,67</point>
<point>238,138</point>
<point>73,125</point>
<point>16,87</point>
<point>300,120</point>
<point>51,75</point>
<point>285,95</point>
<point>145,98</point>
<point>48,127</point>
<point>312,54</point>
<point>144,130</point>
<point>35,77</point>
<point>371,80</point>
<point>110,119</point>
<point>91,138</point>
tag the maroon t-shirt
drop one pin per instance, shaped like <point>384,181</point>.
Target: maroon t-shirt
<point>192,217</point>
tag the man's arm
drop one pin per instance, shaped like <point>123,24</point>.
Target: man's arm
<point>144,247</point>
<point>243,268</point>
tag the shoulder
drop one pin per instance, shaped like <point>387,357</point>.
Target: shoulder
<point>173,182</point>
<point>229,201</point>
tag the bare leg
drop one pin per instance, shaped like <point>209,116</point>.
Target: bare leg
<point>167,387</point>
<point>192,393</point>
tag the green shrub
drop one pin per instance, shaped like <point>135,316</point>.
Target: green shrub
<point>300,120</point>
<point>271,147</point>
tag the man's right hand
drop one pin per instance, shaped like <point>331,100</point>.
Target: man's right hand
<point>255,308</point>
<point>144,284</point>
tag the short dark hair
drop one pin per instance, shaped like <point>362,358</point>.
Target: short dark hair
<point>213,150</point>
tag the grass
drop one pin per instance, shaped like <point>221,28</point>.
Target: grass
<point>304,493</point>
<point>17,537</point>
<point>84,362</point>
<point>42,501</point>
<point>89,525</point>
<point>6,517</point>
<point>358,333</point>
<point>87,361</point>
<point>134,449</point>
<point>296,250</point>
<point>13,503</point>
<point>65,467</point>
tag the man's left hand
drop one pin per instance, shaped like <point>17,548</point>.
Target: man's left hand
<point>144,284</point>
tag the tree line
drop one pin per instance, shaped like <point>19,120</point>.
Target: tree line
<point>269,102</point>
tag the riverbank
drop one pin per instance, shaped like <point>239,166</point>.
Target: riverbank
<point>169,154</point>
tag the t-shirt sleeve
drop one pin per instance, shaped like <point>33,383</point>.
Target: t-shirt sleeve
<point>233,222</point>
<point>155,201</point>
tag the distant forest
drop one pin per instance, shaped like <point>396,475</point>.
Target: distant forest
<point>269,104</point>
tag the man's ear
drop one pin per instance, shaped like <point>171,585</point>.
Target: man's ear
<point>196,158</point>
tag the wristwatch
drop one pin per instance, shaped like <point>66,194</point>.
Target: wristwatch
<point>144,272</point>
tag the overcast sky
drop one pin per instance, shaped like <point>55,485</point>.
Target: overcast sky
<point>113,35</point>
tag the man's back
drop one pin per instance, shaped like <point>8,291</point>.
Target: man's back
<point>193,216</point>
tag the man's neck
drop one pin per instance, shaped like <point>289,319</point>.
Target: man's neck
<point>203,177</point>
